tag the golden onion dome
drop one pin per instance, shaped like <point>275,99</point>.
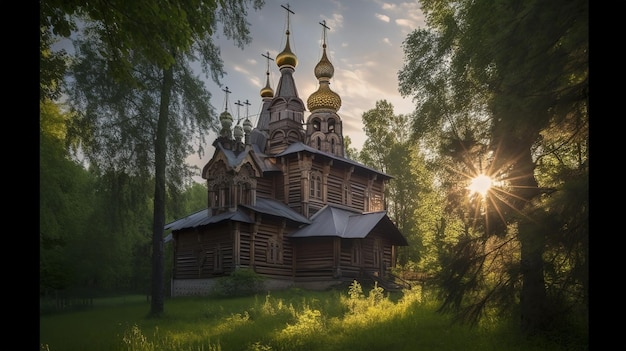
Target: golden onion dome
<point>267,91</point>
<point>324,69</point>
<point>324,98</point>
<point>286,57</point>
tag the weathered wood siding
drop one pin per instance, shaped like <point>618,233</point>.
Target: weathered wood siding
<point>334,186</point>
<point>314,258</point>
<point>265,187</point>
<point>264,263</point>
<point>203,254</point>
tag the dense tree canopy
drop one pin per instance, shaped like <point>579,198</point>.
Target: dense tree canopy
<point>137,102</point>
<point>504,85</point>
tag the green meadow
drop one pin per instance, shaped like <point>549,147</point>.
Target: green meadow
<point>338,319</point>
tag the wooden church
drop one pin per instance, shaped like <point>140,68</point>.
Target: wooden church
<point>284,200</point>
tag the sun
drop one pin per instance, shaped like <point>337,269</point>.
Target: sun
<point>480,184</point>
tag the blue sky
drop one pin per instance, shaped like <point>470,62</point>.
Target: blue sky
<point>364,44</point>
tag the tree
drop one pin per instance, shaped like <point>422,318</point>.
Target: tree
<point>351,152</point>
<point>515,70</point>
<point>65,202</point>
<point>389,148</point>
<point>141,52</point>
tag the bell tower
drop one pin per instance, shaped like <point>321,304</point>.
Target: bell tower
<point>324,129</point>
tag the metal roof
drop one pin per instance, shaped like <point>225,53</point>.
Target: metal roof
<point>299,146</point>
<point>263,205</point>
<point>202,218</point>
<point>277,208</point>
<point>333,221</point>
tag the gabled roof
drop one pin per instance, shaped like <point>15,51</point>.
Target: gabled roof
<point>234,160</point>
<point>202,217</point>
<point>277,208</point>
<point>263,205</point>
<point>299,146</point>
<point>334,221</point>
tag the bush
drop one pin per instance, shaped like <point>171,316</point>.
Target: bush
<point>241,282</point>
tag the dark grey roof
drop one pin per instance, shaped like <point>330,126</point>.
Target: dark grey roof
<point>202,218</point>
<point>333,221</point>
<point>299,146</point>
<point>235,159</point>
<point>277,208</point>
<point>263,205</point>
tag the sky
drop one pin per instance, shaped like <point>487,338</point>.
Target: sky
<point>364,44</point>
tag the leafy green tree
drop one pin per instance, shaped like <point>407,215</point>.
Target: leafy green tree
<point>378,124</point>
<point>389,148</point>
<point>493,81</point>
<point>65,201</point>
<point>351,152</point>
<point>192,198</point>
<point>140,102</point>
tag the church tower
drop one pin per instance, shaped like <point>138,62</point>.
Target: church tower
<point>286,110</point>
<point>324,128</point>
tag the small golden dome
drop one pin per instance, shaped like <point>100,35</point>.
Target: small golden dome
<point>286,57</point>
<point>267,91</point>
<point>324,69</point>
<point>324,98</point>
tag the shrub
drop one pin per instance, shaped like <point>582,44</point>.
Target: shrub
<point>241,282</point>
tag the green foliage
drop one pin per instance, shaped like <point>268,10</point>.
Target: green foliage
<point>351,152</point>
<point>502,88</point>
<point>411,200</point>
<point>240,282</point>
<point>66,197</point>
<point>286,320</point>
<point>138,103</point>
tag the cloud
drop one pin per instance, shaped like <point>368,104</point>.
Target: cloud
<point>383,18</point>
<point>335,22</point>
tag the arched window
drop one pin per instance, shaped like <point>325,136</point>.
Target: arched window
<point>331,125</point>
<point>316,124</point>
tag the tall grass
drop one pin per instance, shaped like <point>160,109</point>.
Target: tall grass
<point>294,319</point>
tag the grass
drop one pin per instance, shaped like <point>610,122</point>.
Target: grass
<point>294,319</point>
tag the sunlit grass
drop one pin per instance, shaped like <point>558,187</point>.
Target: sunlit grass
<point>282,320</point>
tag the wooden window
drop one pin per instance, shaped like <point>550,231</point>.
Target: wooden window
<point>214,196</point>
<point>376,203</point>
<point>316,185</point>
<point>218,259</point>
<point>356,252</point>
<point>274,251</point>
<point>377,252</point>
<point>245,194</point>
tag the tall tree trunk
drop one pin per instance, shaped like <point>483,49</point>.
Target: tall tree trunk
<point>160,151</point>
<point>531,235</point>
<point>533,293</point>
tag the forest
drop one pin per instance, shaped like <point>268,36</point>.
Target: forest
<point>501,90</point>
